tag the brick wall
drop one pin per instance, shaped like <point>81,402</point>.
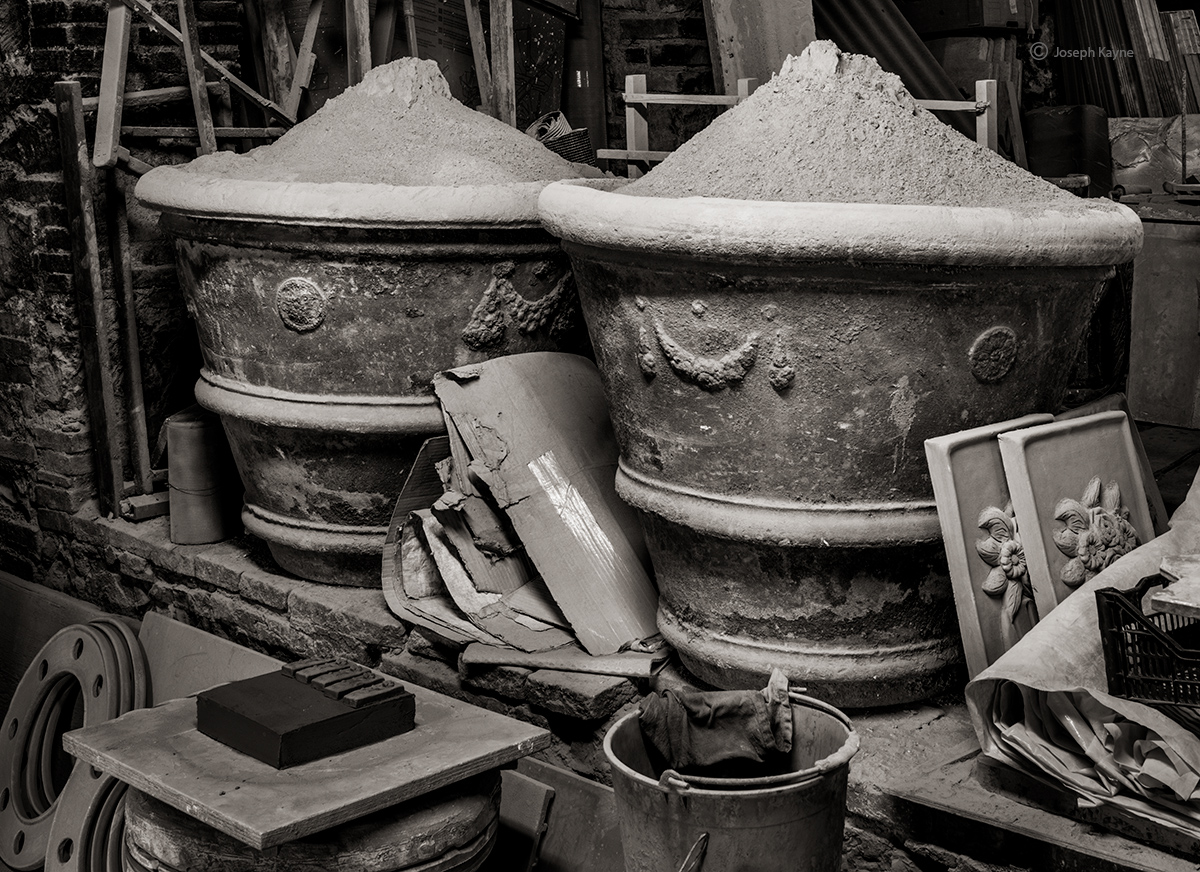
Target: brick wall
<point>45,459</point>
<point>665,40</point>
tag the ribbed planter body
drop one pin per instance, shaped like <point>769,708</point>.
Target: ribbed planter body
<point>321,325</point>
<point>772,379</point>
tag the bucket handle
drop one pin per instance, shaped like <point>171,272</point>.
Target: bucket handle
<point>691,863</point>
<point>672,782</point>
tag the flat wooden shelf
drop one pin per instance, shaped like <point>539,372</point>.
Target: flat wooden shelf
<point>160,752</point>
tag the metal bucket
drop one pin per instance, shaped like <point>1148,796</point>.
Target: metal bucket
<point>671,823</point>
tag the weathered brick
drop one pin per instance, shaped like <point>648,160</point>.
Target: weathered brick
<point>68,500</point>
<point>12,449</point>
<point>678,54</point>
<point>18,534</point>
<point>220,564</point>
<point>62,463</point>
<point>68,441</point>
<point>64,482</point>
<point>266,587</point>
<point>351,612</point>
<point>638,29</point>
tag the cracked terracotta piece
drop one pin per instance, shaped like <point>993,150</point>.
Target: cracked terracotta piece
<point>392,235</point>
<point>791,521</point>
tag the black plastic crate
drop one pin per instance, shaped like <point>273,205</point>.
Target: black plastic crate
<point>1152,659</point>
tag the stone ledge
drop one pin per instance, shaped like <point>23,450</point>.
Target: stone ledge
<point>232,588</point>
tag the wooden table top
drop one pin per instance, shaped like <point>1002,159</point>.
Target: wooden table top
<point>160,752</point>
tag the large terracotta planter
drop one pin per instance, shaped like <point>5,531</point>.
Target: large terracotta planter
<point>323,312</point>
<point>773,370</point>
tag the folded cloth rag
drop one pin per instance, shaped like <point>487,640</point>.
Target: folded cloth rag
<point>693,729</point>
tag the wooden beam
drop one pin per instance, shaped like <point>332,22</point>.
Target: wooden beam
<point>152,97</point>
<point>410,28</point>
<point>503,71</point>
<point>383,32</point>
<point>112,83</point>
<point>89,296</point>
<point>163,27</point>
<point>483,67</point>
<point>637,128</point>
<point>987,127</point>
<point>190,31</point>
<point>358,40</point>
<point>279,54</point>
<point>190,134</point>
<point>681,99</point>
<point>122,270</point>
<point>305,58</point>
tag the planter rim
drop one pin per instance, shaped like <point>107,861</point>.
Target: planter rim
<point>344,204</point>
<point>759,231</point>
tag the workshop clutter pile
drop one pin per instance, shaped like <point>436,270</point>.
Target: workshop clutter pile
<point>508,531</point>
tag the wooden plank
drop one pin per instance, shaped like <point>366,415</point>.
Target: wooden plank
<point>159,751</point>
<point>32,614</point>
<point>504,84</point>
<point>684,99</point>
<point>89,296</point>
<point>184,660</point>
<point>483,67</point>
<point>131,164</point>
<point>305,58</point>
<point>582,832</point>
<point>190,133</point>
<point>637,127</point>
<point>358,40</point>
<point>122,270</point>
<point>194,65</point>
<point>1018,133</point>
<point>950,105</point>
<point>955,797</point>
<point>112,83</point>
<point>987,127</point>
<point>279,55</point>
<point>630,664</point>
<point>163,27</point>
<point>151,97</point>
<point>383,31</point>
<point>751,38</point>
<point>625,154</point>
<point>524,806</point>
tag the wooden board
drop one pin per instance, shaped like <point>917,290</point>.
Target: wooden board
<point>582,833</point>
<point>957,799</point>
<point>160,752</point>
<point>751,38</point>
<point>968,479</point>
<point>184,660</point>
<point>524,806</point>
<point>571,658</point>
<point>90,297</point>
<point>1164,351</point>
<point>1053,462</point>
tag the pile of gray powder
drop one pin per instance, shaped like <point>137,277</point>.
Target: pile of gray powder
<point>399,126</point>
<point>835,128</point>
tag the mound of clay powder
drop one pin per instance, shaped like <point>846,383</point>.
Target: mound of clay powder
<point>835,128</point>
<point>399,126</point>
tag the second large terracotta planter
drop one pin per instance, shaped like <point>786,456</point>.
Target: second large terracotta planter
<point>324,311</point>
<point>773,370</point>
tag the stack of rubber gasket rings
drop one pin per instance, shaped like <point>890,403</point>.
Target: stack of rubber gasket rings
<point>54,811</point>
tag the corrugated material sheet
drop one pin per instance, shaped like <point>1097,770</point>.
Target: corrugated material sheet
<point>877,28</point>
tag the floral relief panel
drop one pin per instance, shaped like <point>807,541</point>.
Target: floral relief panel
<point>993,594</point>
<point>1078,500</point>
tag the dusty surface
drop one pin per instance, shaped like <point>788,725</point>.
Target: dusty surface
<point>835,128</point>
<point>399,126</point>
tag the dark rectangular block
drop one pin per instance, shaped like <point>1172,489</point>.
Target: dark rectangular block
<point>284,722</point>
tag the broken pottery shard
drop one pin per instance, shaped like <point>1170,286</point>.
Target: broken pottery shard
<point>538,433</point>
<point>485,610</point>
